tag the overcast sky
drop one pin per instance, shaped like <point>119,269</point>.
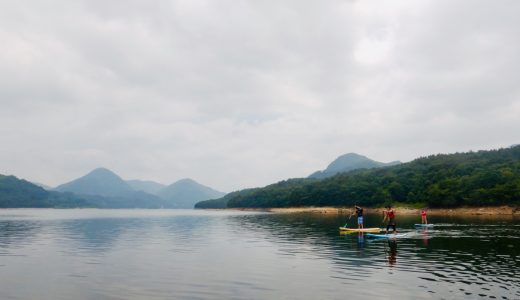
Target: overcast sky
<point>238,94</point>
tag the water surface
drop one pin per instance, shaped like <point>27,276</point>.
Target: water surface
<point>193,254</point>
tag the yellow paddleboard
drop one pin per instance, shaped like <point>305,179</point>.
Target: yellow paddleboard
<point>345,229</point>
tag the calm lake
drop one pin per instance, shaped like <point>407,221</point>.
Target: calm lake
<point>193,254</point>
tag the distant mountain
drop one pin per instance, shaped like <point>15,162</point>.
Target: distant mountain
<point>101,181</point>
<point>15,193</point>
<point>137,199</point>
<point>186,192</point>
<point>44,186</point>
<point>349,162</point>
<point>104,188</point>
<point>146,186</point>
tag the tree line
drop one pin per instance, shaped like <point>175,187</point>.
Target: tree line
<point>443,180</point>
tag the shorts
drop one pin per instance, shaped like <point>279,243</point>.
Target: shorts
<point>360,220</point>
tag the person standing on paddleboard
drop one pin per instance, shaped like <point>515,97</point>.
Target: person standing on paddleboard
<point>423,216</point>
<point>389,215</point>
<point>359,212</point>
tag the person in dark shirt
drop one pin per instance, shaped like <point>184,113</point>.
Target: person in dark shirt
<point>359,213</point>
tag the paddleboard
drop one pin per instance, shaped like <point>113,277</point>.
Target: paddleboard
<point>346,229</point>
<point>424,225</point>
<point>387,236</point>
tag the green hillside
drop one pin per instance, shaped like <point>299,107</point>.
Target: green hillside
<point>16,192</point>
<point>222,202</point>
<point>19,193</point>
<point>444,180</point>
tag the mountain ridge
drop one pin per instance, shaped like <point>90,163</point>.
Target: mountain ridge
<point>482,178</point>
<point>100,181</point>
<point>348,162</point>
<point>146,186</point>
<point>186,192</point>
<point>103,182</point>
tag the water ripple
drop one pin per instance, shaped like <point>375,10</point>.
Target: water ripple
<point>165,254</point>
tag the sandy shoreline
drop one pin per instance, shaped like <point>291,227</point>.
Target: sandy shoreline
<point>490,211</point>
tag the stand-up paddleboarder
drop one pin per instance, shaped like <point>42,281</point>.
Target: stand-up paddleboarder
<point>359,212</point>
<point>389,216</point>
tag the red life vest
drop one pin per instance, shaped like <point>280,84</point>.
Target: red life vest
<point>391,214</point>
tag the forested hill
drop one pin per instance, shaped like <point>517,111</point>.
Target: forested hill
<point>444,180</point>
<point>16,192</point>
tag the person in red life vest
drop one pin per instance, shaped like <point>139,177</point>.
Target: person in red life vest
<point>389,216</point>
<point>423,216</point>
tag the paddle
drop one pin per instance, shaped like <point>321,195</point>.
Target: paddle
<point>347,221</point>
<point>383,222</point>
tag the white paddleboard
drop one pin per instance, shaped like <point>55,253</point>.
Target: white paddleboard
<point>387,236</point>
<point>424,225</point>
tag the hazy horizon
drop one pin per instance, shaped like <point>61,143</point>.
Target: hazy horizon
<point>186,178</point>
<point>243,94</point>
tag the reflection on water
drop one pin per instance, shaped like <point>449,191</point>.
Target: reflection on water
<point>165,254</point>
<point>392,252</point>
<point>425,236</point>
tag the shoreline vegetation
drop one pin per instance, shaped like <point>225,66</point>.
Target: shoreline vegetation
<point>459,211</point>
<point>457,182</point>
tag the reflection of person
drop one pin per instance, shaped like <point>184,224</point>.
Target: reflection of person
<point>392,257</point>
<point>389,215</point>
<point>361,242</point>
<point>423,216</point>
<point>359,212</point>
<point>425,237</point>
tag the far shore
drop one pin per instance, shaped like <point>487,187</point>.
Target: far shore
<point>488,210</point>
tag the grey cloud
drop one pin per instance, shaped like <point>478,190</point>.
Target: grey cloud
<point>244,93</point>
